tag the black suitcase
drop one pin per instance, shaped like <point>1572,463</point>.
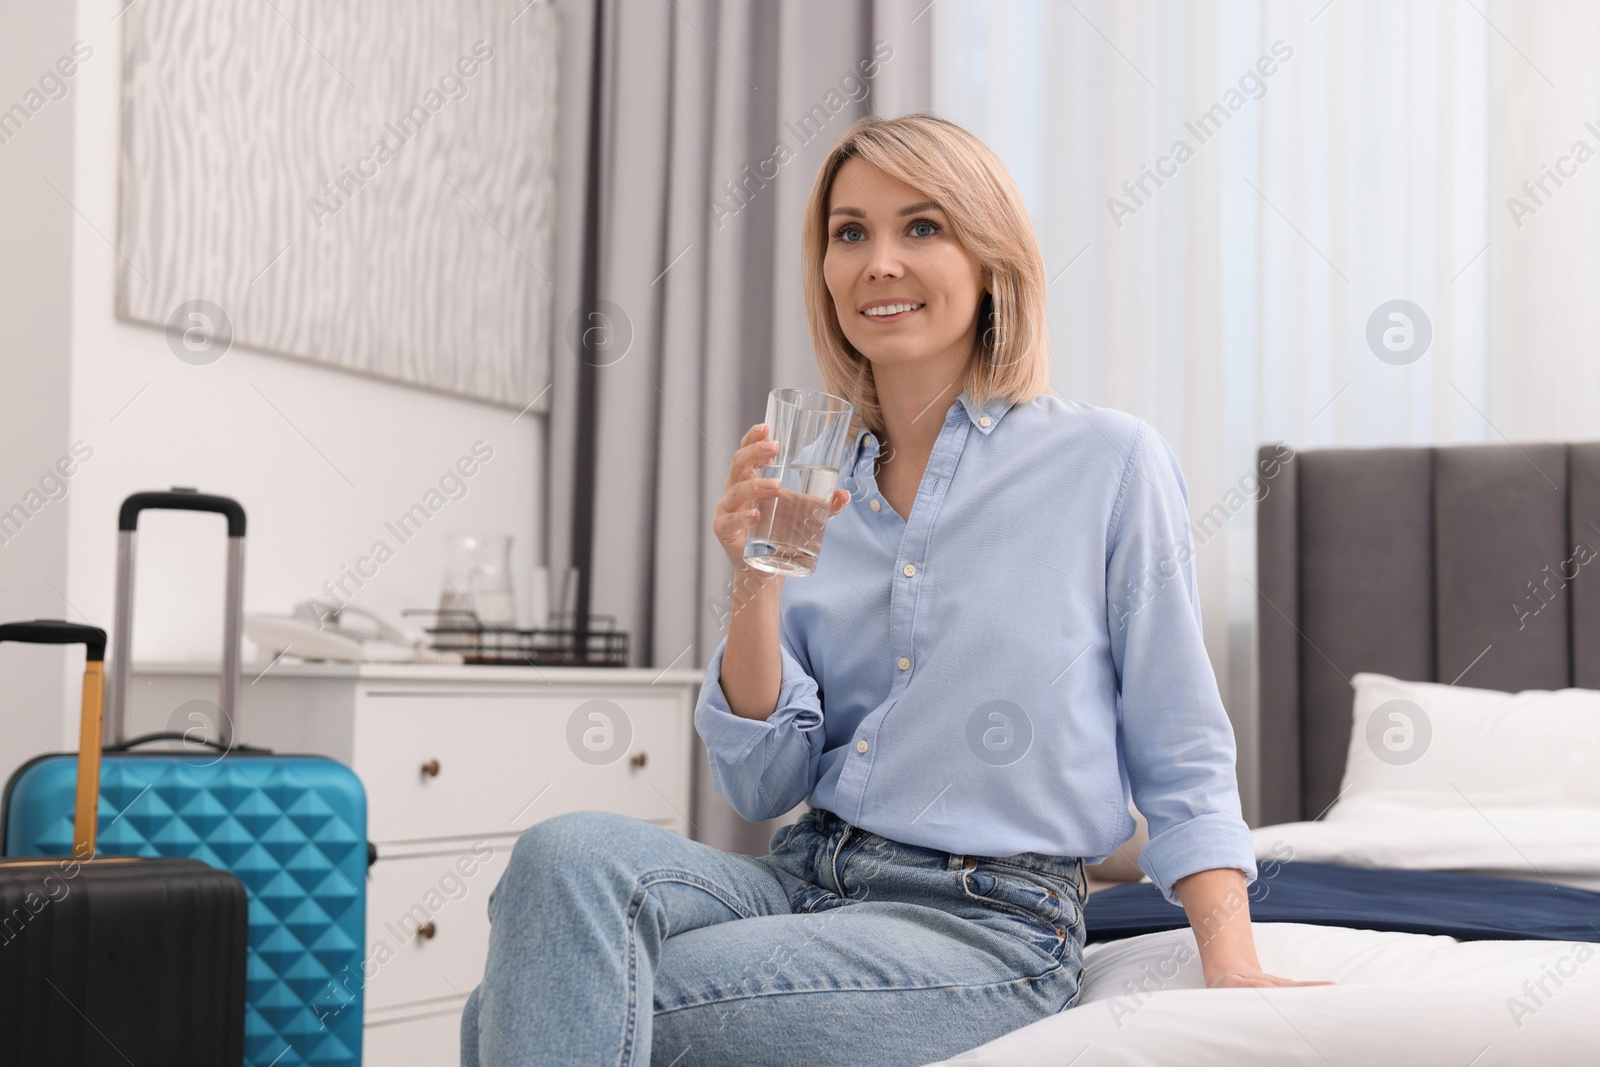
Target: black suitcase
<point>118,960</point>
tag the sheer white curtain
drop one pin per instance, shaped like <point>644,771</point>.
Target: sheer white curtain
<point>1544,267</point>
<point>1226,194</point>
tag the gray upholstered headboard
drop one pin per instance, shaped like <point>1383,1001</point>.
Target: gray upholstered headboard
<point>1477,564</point>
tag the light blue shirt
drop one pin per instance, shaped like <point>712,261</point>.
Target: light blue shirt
<point>993,673</point>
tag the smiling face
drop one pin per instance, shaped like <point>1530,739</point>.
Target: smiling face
<point>890,246</point>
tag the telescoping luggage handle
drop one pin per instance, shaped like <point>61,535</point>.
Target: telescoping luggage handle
<point>178,499</point>
<point>86,806</point>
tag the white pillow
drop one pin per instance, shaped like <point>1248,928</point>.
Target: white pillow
<point>1425,744</point>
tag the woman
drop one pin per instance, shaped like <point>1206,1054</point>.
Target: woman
<point>1001,637</point>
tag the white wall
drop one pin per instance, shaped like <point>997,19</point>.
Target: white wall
<point>319,458</point>
<point>35,357</point>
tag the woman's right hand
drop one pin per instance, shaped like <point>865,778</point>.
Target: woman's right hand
<point>745,489</point>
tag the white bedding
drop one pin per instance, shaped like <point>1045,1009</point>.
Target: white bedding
<point>1402,1000</point>
<point>1438,778</point>
<point>1557,845</point>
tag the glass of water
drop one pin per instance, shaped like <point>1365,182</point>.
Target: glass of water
<point>812,429</point>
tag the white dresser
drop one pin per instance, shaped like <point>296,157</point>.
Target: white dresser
<point>456,762</point>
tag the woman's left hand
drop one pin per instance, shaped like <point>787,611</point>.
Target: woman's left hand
<point>1245,976</point>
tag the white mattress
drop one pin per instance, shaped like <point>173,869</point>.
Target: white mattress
<point>1400,999</point>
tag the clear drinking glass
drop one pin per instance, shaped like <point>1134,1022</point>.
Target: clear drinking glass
<point>812,429</point>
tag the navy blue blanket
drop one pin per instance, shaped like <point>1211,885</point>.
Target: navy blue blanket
<point>1467,907</point>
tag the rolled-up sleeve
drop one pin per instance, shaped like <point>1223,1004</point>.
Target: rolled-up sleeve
<point>1177,743</point>
<point>762,767</point>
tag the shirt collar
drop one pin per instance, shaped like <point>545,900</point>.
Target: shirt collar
<point>994,411</point>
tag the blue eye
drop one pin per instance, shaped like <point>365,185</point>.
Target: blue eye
<point>839,234</point>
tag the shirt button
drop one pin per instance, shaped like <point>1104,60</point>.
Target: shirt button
<point>861,746</point>
<point>984,421</point>
<point>909,569</point>
<point>904,663</point>
<point>869,439</point>
<point>873,504</point>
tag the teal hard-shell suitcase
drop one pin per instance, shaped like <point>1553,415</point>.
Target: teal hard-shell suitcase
<point>293,828</point>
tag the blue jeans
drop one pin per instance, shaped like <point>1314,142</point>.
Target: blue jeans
<point>615,941</point>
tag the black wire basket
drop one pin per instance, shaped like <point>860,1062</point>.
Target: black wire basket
<point>556,645</point>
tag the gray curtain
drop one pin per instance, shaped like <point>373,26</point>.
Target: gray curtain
<point>698,257</point>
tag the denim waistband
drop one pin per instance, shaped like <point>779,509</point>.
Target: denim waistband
<point>1067,869</point>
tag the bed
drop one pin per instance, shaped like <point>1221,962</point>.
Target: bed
<point>1442,866</point>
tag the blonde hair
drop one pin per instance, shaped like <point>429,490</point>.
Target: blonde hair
<point>1011,352</point>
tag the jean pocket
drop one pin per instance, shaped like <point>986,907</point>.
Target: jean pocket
<point>1047,902</point>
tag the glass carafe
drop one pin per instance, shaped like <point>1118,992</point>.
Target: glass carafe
<point>478,580</point>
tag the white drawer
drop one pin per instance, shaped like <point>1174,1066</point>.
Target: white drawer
<point>426,1040</point>
<point>504,760</point>
<point>446,895</point>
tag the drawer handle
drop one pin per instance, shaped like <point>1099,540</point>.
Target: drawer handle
<point>638,759</point>
<point>430,769</point>
<point>427,930</point>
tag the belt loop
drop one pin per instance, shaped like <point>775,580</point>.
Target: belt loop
<point>838,849</point>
